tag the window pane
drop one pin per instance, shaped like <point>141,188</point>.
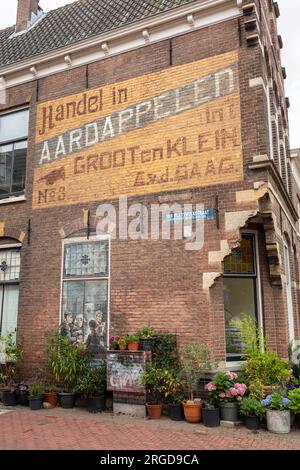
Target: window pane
<point>242,260</point>
<point>84,313</point>
<point>19,167</point>
<point>86,259</point>
<point>239,300</point>
<point>14,126</point>
<point>9,265</point>
<point>6,153</point>
<point>10,309</point>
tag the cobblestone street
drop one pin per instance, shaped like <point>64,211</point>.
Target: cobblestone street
<point>76,429</point>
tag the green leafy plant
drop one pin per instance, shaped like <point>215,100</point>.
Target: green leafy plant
<point>12,355</point>
<point>255,389</point>
<point>153,379</point>
<point>36,390</point>
<point>93,381</point>
<point>164,352</point>
<point>67,362</point>
<point>252,407</point>
<point>146,333</point>
<point>264,365</point>
<point>171,387</point>
<point>122,342</point>
<point>194,359</point>
<point>132,338</point>
<point>294,397</point>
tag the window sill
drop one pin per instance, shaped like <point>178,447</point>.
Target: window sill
<point>12,199</point>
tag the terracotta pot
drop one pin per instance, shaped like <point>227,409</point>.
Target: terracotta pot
<point>192,411</point>
<point>154,411</point>
<point>122,347</point>
<point>133,346</point>
<point>51,397</point>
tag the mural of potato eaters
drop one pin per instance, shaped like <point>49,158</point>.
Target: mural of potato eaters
<point>84,312</point>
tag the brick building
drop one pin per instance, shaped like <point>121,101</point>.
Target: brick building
<point>175,106</point>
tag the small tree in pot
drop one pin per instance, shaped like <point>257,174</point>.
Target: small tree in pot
<point>153,379</point>
<point>10,359</point>
<point>92,385</point>
<point>194,359</point>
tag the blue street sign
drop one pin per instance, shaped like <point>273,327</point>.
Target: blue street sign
<point>205,214</point>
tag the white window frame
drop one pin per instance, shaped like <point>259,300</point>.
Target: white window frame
<point>70,241</point>
<point>289,292</point>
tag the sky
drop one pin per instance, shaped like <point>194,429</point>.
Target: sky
<point>288,28</point>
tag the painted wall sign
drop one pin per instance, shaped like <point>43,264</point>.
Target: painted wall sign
<point>124,371</point>
<point>173,129</point>
<point>205,214</point>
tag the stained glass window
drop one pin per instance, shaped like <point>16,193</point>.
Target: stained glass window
<point>9,265</point>
<point>242,260</point>
<point>85,300</point>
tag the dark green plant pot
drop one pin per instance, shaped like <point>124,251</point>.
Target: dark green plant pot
<point>146,344</point>
<point>96,404</point>
<point>35,403</point>
<point>229,412</point>
<point>67,400</point>
<point>9,398</point>
<point>176,412</point>
<point>211,417</point>
<point>252,422</point>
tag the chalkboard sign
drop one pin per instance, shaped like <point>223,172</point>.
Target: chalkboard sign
<point>124,370</point>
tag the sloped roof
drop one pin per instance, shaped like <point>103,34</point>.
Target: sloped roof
<point>75,22</point>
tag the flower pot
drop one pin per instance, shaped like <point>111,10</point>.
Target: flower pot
<point>279,421</point>
<point>211,417</point>
<point>154,411</point>
<point>96,404</point>
<point>122,347</point>
<point>51,397</point>
<point>176,412</point>
<point>146,344</point>
<point>229,411</point>
<point>23,398</point>
<point>9,398</point>
<point>133,346</point>
<point>67,400</point>
<point>192,412</point>
<point>35,403</point>
<point>252,422</point>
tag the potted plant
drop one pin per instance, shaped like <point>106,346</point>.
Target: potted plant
<point>22,390</point>
<point>228,391</point>
<point>278,413</point>
<point>133,342</point>
<point>67,362</point>
<point>114,343</point>
<point>194,361</point>
<point>153,379</point>
<point>50,395</point>
<point>11,354</point>
<point>253,410</point>
<point>122,343</point>
<point>35,397</point>
<point>172,391</point>
<point>146,336</point>
<point>294,406</point>
<point>261,362</point>
<point>92,385</point>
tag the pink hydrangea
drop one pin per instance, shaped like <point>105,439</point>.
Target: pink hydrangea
<point>239,398</point>
<point>228,395</point>
<point>211,387</point>
<point>222,395</point>
<point>234,392</point>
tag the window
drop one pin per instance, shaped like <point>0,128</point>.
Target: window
<point>240,292</point>
<point>85,293</point>
<point>9,289</point>
<point>13,152</point>
<point>289,293</point>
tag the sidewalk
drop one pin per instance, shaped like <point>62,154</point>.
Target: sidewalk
<point>76,429</point>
